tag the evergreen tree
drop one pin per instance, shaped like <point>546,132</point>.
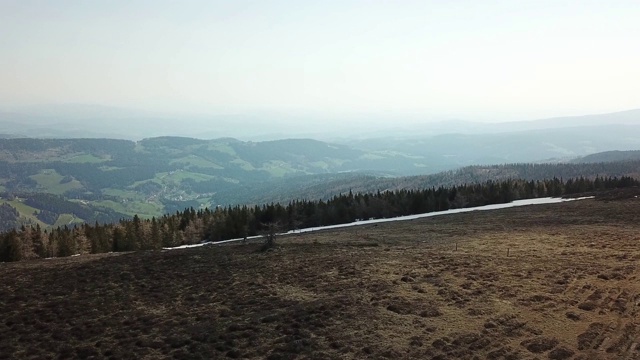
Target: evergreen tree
<point>156,239</point>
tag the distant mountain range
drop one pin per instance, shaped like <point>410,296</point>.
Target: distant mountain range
<point>628,117</point>
<point>80,120</point>
<point>65,169</point>
<point>609,156</point>
<point>449,151</point>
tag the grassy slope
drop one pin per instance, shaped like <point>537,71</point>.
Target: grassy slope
<point>534,282</point>
<point>67,219</point>
<point>136,207</point>
<point>51,182</point>
<point>27,215</point>
<point>86,158</point>
<point>26,212</point>
<point>197,161</point>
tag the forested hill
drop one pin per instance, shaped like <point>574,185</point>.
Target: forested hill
<point>325,187</point>
<point>609,156</point>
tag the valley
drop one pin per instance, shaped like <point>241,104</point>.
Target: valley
<point>54,182</point>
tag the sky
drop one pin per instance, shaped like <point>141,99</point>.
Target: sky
<point>476,60</point>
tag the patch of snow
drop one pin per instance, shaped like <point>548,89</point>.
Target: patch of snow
<point>75,255</point>
<point>187,246</point>
<point>238,239</point>
<point>517,203</point>
<point>210,243</point>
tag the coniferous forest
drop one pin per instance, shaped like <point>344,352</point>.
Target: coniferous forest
<point>193,226</point>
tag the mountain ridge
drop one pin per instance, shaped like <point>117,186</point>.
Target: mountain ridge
<point>65,121</point>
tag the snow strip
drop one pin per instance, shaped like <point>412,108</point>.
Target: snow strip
<point>517,203</point>
<point>210,243</point>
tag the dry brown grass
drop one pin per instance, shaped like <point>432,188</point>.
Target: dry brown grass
<point>553,281</point>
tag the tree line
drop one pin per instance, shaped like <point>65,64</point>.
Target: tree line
<point>193,226</point>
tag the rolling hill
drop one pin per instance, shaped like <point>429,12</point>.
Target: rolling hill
<point>119,178</point>
<point>54,182</point>
<point>609,156</point>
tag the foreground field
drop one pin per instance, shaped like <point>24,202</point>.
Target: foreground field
<point>551,281</point>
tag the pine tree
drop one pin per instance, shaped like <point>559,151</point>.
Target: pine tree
<point>66,245</point>
<point>10,247</point>
<point>118,240</point>
<point>39,242</point>
<point>155,236</point>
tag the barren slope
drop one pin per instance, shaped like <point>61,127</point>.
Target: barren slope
<point>553,281</point>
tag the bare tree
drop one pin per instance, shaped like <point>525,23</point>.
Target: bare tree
<point>271,230</point>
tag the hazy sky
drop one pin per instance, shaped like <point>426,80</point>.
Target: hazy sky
<point>495,60</point>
